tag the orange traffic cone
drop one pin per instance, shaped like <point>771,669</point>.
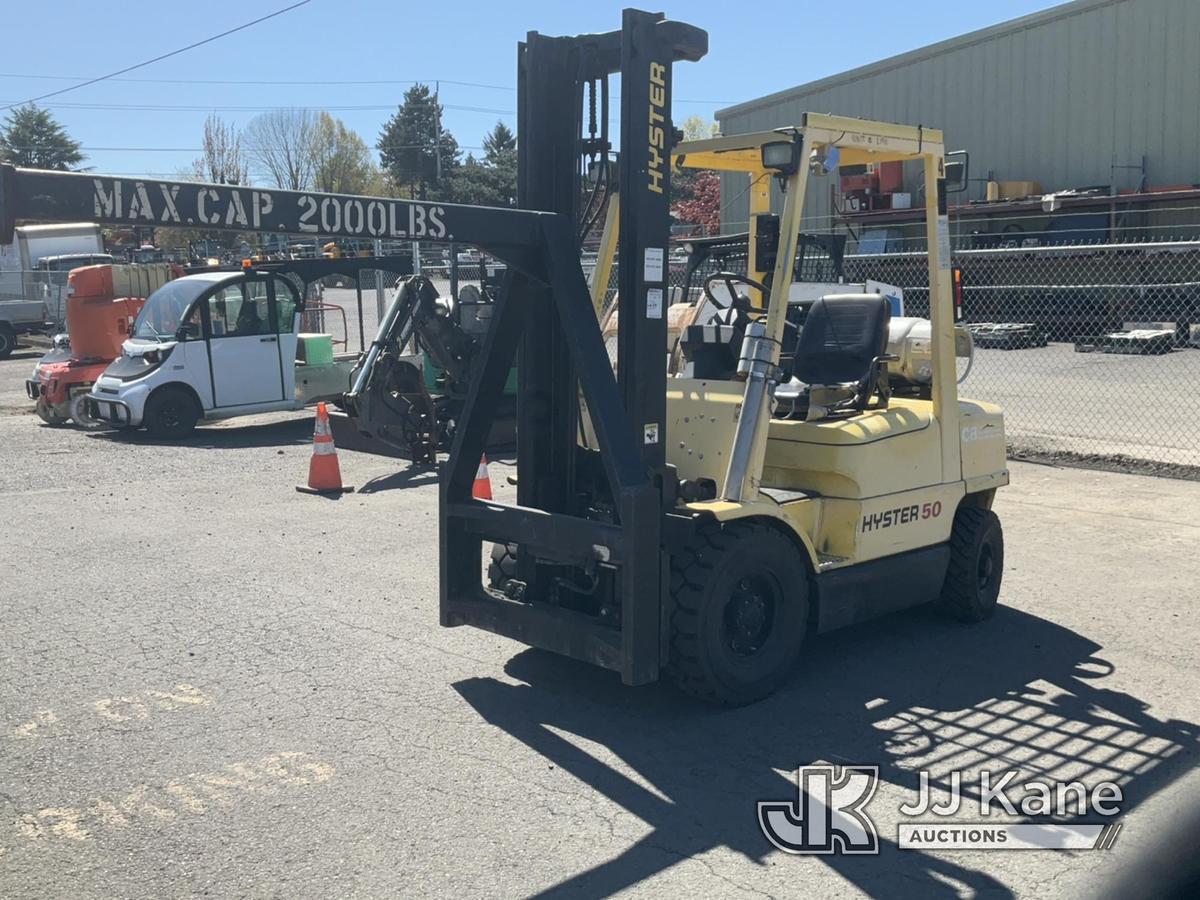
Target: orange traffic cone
<point>324,474</point>
<point>482,488</point>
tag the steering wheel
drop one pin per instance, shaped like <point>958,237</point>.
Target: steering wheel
<point>729,280</point>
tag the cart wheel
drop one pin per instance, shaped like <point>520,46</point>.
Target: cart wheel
<point>170,414</point>
<point>50,414</point>
<point>77,407</point>
<point>740,597</point>
<point>972,584</point>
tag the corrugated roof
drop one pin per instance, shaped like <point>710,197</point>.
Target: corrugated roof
<point>974,37</point>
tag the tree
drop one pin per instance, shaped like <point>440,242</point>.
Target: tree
<point>703,204</point>
<point>31,137</point>
<point>282,144</point>
<point>696,193</point>
<point>491,181</point>
<point>481,184</point>
<point>342,162</point>
<point>417,153</point>
<point>695,128</point>
<point>498,143</point>
<point>224,160</point>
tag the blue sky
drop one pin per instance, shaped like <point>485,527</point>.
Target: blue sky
<point>754,49</point>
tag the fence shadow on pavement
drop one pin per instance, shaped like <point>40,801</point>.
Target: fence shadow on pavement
<point>910,692</point>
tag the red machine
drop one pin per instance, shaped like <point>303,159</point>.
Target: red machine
<point>102,302</point>
<point>866,188</point>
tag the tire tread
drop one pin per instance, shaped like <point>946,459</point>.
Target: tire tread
<point>959,598</point>
<point>691,571</point>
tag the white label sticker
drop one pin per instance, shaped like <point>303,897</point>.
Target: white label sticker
<point>653,268</point>
<point>654,297</point>
<point>650,433</point>
<point>943,239</point>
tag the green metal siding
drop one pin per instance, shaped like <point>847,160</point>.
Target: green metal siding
<point>1052,97</point>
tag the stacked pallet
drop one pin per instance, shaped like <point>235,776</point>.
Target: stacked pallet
<point>1007,335</point>
<point>1137,341</point>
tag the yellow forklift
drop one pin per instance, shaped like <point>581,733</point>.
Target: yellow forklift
<point>789,491</point>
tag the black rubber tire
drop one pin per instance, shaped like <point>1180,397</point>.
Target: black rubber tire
<point>503,566</point>
<point>972,585</point>
<point>8,340</point>
<point>727,580</point>
<point>77,407</point>
<point>170,414</point>
<point>51,415</point>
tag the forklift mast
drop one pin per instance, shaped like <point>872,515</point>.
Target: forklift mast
<point>588,523</point>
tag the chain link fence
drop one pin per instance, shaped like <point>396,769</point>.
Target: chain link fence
<point>1089,340</point>
<point>1091,349</point>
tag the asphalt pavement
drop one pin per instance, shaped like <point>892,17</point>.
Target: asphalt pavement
<point>216,686</point>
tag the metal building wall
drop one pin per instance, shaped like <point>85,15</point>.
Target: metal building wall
<point>1054,97</point>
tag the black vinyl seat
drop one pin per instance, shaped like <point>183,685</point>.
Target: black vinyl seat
<point>843,344</point>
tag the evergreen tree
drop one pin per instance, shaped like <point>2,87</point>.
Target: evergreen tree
<point>499,142</point>
<point>30,137</point>
<point>417,153</point>
<point>491,181</point>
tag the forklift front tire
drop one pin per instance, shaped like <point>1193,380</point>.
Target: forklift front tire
<point>972,584</point>
<point>740,597</point>
<point>503,567</point>
<point>170,414</point>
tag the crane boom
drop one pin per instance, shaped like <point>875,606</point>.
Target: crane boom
<point>45,196</point>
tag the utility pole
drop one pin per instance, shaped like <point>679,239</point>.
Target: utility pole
<point>437,133</point>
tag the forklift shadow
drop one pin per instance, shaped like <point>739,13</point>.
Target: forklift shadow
<point>283,433</point>
<point>910,692</point>
<point>414,476</point>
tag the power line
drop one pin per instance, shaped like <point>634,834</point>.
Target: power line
<point>475,84</point>
<point>35,147</point>
<point>161,57</point>
<point>299,83</point>
<point>179,107</point>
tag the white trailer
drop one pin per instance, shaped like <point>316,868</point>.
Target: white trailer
<point>30,299</point>
<point>31,243</point>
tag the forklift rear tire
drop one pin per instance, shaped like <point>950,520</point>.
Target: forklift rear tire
<point>972,584</point>
<point>740,610</point>
<point>170,414</point>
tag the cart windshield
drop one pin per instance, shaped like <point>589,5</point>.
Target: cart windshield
<point>165,308</point>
